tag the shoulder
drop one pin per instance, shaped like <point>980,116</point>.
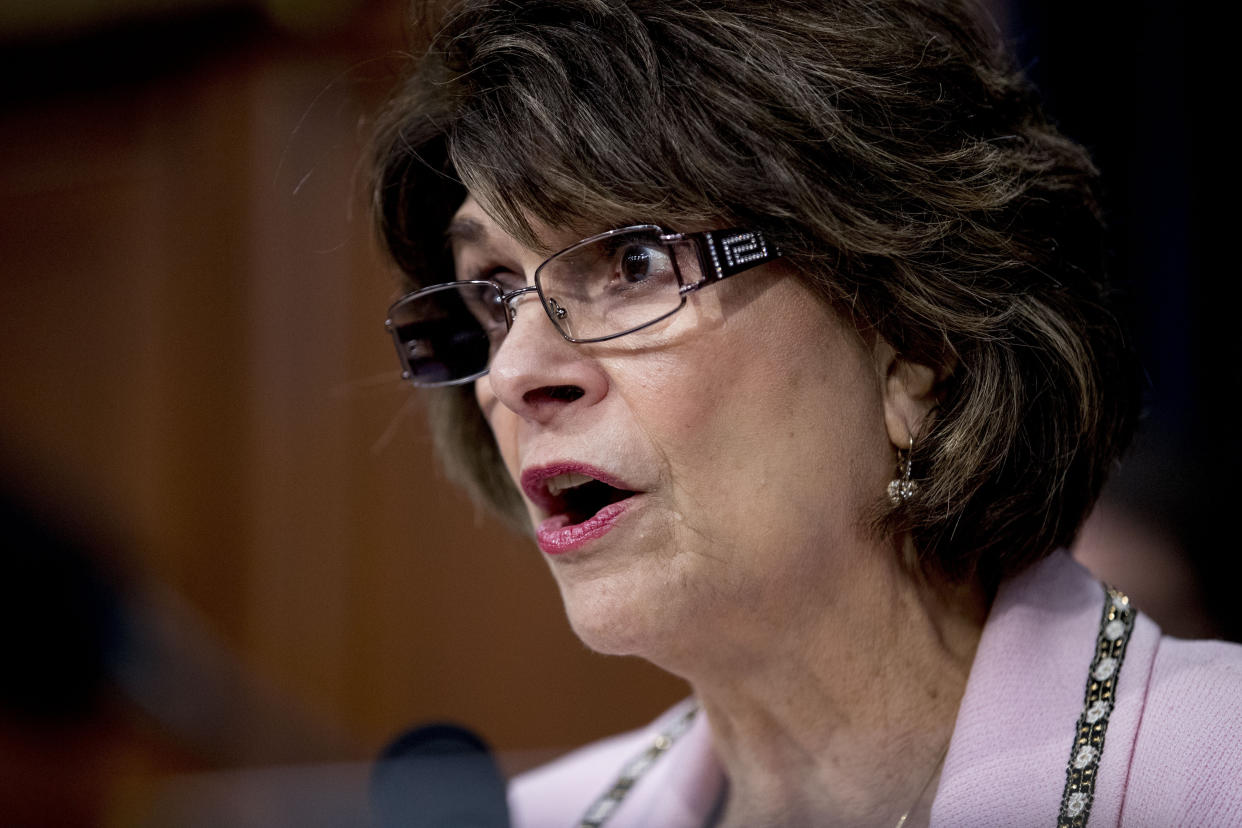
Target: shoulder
<point>1173,754</point>
<point>1190,678</point>
<point>1186,766</point>
<point>561,792</point>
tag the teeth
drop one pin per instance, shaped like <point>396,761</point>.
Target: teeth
<point>562,482</point>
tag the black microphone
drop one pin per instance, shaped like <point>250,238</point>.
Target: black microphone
<point>438,775</point>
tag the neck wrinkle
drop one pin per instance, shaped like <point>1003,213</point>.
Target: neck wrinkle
<point>829,728</point>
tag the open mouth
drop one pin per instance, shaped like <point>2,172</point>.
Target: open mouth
<point>571,493</point>
<point>579,497</point>
<point>581,502</point>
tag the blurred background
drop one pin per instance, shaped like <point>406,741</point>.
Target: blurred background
<point>234,570</point>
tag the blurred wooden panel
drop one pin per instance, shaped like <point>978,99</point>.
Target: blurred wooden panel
<point>193,341</point>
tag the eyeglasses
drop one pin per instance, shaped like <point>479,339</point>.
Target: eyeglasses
<point>600,288</point>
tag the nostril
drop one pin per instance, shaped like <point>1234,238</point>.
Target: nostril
<point>552,393</point>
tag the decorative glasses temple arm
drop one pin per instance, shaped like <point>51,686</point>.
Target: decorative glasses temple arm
<point>722,253</point>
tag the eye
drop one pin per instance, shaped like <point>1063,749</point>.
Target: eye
<point>638,263</point>
<point>485,307</point>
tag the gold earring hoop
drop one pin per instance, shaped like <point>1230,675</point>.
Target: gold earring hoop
<point>902,489</point>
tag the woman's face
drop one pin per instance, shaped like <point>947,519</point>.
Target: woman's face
<point>749,427</point>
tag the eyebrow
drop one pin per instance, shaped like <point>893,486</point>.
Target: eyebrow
<point>465,230</point>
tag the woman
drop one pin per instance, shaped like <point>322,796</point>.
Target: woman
<point>783,325</point>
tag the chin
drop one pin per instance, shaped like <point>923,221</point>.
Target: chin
<point>621,616</point>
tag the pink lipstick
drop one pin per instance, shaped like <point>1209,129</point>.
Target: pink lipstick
<point>582,503</point>
<point>557,535</point>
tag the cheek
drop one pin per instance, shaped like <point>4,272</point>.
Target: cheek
<point>502,422</point>
<point>484,397</point>
<point>774,422</point>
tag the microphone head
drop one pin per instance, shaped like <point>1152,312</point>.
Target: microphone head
<point>438,775</point>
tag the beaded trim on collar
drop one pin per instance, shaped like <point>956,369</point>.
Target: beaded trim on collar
<point>606,805</point>
<point>1116,624</point>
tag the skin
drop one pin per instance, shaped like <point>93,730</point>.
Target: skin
<point>760,429</point>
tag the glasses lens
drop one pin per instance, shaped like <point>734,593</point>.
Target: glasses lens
<point>446,333</point>
<point>611,285</point>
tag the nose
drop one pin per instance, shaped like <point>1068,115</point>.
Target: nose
<point>536,373</point>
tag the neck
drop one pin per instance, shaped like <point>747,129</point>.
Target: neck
<point>842,718</point>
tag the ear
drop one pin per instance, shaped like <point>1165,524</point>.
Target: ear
<point>910,392</point>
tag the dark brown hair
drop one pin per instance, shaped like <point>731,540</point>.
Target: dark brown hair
<point>891,150</point>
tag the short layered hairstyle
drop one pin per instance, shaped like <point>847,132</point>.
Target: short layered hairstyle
<point>892,151</point>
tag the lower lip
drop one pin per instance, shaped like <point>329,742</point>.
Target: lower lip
<point>556,538</point>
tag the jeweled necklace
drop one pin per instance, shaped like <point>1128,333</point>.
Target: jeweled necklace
<point>923,790</point>
<point>606,805</point>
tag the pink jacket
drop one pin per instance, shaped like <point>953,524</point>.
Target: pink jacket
<point>1172,755</point>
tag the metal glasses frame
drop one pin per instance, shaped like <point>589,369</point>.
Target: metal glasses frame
<point>721,254</point>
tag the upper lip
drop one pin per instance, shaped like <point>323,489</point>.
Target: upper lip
<point>535,478</point>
